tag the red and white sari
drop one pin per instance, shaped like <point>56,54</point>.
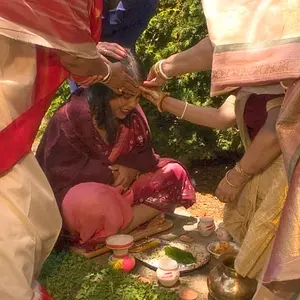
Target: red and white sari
<point>30,32</point>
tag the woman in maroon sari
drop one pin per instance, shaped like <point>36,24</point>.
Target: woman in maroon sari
<point>97,155</point>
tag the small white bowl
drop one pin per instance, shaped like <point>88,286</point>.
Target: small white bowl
<point>167,272</point>
<point>212,246</point>
<point>119,243</point>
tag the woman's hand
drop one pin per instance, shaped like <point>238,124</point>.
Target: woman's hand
<point>151,94</point>
<point>123,176</point>
<point>231,186</point>
<point>153,79</point>
<point>113,50</point>
<point>120,81</point>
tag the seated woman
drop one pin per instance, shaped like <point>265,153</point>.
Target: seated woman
<point>254,190</point>
<point>97,155</point>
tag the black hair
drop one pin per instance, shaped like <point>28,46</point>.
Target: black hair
<point>99,96</point>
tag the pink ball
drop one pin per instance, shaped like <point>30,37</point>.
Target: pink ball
<point>128,263</point>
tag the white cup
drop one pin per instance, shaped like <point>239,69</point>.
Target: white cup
<point>206,225</point>
<point>167,272</point>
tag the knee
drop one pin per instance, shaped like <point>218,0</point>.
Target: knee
<point>174,171</point>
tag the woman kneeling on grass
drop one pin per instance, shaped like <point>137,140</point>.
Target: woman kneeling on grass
<point>97,155</point>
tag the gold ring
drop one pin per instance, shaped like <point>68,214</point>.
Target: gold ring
<point>121,90</point>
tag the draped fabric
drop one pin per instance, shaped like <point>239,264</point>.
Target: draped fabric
<point>258,42</point>
<point>255,42</point>
<point>70,26</point>
<point>254,218</point>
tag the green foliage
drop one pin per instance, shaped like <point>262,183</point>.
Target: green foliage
<point>177,25</point>
<point>60,97</point>
<point>71,277</point>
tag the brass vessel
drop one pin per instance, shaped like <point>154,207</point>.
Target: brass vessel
<point>224,283</point>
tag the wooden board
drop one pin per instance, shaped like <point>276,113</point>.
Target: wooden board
<point>137,236</point>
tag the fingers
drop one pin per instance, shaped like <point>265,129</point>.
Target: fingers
<point>226,193</point>
<point>114,54</point>
<point>151,75</point>
<point>121,80</point>
<point>113,50</point>
<point>118,48</point>
<point>104,58</point>
<point>114,168</point>
<point>154,82</point>
<point>130,85</point>
<point>146,91</point>
<point>143,89</point>
<point>118,181</point>
<point>221,193</point>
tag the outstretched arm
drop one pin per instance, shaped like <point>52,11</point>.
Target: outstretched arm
<point>219,118</point>
<point>195,59</point>
<point>90,71</point>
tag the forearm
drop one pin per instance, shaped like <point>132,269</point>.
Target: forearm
<point>82,66</point>
<point>203,116</point>
<point>195,59</point>
<point>261,153</point>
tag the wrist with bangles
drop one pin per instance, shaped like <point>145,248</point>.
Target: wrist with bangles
<point>160,101</point>
<point>95,78</point>
<point>107,77</point>
<point>244,176</point>
<point>159,70</point>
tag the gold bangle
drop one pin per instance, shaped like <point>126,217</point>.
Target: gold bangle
<point>240,170</point>
<point>90,80</point>
<point>160,101</point>
<point>161,71</point>
<point>184,111</point>
<point>228,182</point>
<point>107,77</point>
<point>156,70</point>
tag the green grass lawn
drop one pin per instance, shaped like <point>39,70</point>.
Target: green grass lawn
<point>72,277</point>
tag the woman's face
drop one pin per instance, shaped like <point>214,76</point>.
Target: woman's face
<point>123,104</point>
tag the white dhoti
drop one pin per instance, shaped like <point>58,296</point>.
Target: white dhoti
<point>30,221</point>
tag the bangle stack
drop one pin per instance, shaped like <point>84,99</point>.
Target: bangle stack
<point>228,181</point>
<point>240,170</point>
<point>87,81</point>
<point>95,78</point>
<point>160,102</point>
<point>159,71</point>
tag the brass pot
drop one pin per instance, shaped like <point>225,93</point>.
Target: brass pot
<point>224,283</point>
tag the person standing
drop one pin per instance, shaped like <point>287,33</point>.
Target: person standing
<point>258,47</point>
<point>41,44</point>
<point>122,24</point>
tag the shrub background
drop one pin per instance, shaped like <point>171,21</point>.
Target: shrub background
<point>177,25</point>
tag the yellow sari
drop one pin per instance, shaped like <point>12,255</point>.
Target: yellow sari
<point>254,218</point>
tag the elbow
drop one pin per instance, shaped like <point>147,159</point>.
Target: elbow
<point>271,136</point>
<point>224,125</point>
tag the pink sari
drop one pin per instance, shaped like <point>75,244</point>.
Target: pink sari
<point>258,43</point>
<point>77,161</point>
